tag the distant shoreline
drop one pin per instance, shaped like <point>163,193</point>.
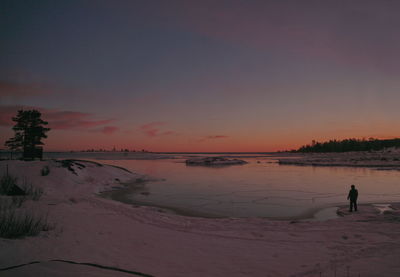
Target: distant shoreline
<point>155,152</point>
<point>385,159</point>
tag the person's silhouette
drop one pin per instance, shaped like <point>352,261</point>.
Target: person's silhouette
<point>353,194</point>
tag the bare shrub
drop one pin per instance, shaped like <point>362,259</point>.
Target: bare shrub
<point>15,223</point>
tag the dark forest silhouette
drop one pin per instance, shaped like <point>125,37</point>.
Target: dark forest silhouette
<point>347,145</point>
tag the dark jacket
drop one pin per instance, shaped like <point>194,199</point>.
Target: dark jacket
<point>353,194</point>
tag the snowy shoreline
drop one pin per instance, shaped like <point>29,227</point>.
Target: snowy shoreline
<point>385,159</point>
<point>92,229</point>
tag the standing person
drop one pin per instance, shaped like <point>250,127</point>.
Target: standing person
<point>353,194</point>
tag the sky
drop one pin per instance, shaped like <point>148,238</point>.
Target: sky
<point>210,75</point>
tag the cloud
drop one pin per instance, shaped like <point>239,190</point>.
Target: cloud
<point>58,119</point>
<point>153,129</point>
<point>67,120</point>
<point>6,113</point>
<point>213,137</point>
<point>8,88</point>
<point>216,137</point>
<point>152,125</point>
<point>107,130</point>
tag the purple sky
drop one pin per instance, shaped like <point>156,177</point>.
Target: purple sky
<point>201,75</point>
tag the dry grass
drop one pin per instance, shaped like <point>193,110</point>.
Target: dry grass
<point>31,192</point>
<point>16,222</point>
<point>9,186</point>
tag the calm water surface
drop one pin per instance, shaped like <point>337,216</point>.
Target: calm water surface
<point>261,188</point>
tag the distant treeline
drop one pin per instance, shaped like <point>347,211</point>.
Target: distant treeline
<point>347,145</point>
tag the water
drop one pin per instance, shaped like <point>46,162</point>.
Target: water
<point>261,188</point>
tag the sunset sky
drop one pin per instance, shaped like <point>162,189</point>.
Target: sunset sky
<point>203,75</point>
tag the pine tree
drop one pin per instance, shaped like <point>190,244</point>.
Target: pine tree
<point>29,132</point>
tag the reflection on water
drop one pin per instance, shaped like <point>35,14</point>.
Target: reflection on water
<point>264,189</point>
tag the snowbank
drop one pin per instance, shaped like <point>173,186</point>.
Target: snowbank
<point>69,178</point>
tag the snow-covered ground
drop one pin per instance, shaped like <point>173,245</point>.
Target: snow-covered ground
<point>146,241</point>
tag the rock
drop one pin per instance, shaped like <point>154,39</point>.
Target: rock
<point>214,161</point>
<point>16,190</point>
